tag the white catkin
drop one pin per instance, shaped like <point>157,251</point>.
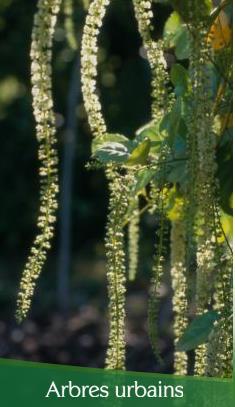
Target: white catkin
<point>179,285</point>
<point>89,60</point>
<point>220,345</point>
<point>116,270</point>
<point>116,273</point>
<point>133,241</point>
<point>41,55</point>
<point>155,55</point>
<point>201,142</point>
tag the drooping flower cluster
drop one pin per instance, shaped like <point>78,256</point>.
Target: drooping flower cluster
<point>155,55</point>
<point>157,271</point>
<point>206,181</point>
<point>202,221</point>
<point>219,354</point>
<point>179,285</point>
<point>191,192</point>
<point>161,102</point>
<point>116,271</point>
<point>89,60</point>
<point>220,344</point>
<point>133,240</point>
<point>115,357</point>
<point>41,55</point>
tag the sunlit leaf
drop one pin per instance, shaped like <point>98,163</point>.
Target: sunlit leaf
<point>172,27</point>
<point>150,131</point>
<point>227,225</point>
<point>175,206</point>
<point>140,154</point>
<point>109,137</point>
<point>112,151</point>
<point>184,8</point>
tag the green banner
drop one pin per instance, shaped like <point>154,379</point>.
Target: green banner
<point>37,384</point>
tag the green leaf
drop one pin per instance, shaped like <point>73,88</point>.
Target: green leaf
<point>179,147</point>
<point>176,35</point>
<point>182,44</point>
<point>173,122</point>
<point>143,179</point>
<point>180,79</point>
<point>172,27</point>
<point>140,154</point>
<point>225,166</point>
<point>184,8</point>
<point>109,137</point>
<point>150,131</point>
<point>197,332</point>
<point>112,151</point>
<point>177,173</point>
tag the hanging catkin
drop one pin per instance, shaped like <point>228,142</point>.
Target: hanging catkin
<point>89,60</point>
<point>201,142</point>
<point>155,55</point>
<point>160,104</point>
<point>179,285</point>
<point>116,272</point>
<point>41,55</point>
<point>220,344</point>
<point>133,240</point>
